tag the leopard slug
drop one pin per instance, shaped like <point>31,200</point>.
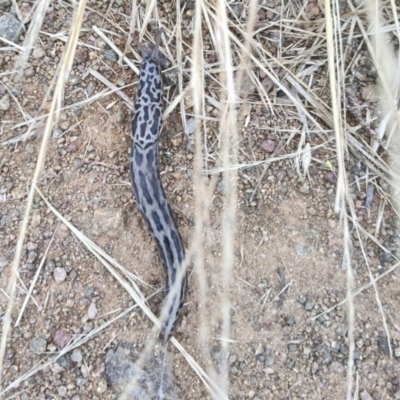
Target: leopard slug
<point>146,183</point>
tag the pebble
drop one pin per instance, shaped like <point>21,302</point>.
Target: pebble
<point>62,391</point>
<point>62,338</point>
<point>3,261</point>
<point>171,76</point>
<point>364,395</point>
<point>267,84</point>
<point>302,250</point>
<point>370,93</point>
<point>38,53</point>
<point>80,381</point>
<point>60,274</point>
<point>110,55</point>
<point>76,356</point>
<point>310,303</point>
<point>292,347</point>
<point>190,126</point>
<point>268,145</point>
<point>397,352</point>
<point>336,367</point>
<point>32,255</point>
<point>10,27</point>
<point>101,386</point>
<point>92,311</point>
<point>108,221</point>
<point>312,10</point>
<point>120,368</point>
<point>330,177</point>
<point>5,103</point>
<point>188,98</point>
<point>90,88</point>
<point>81,55</point>
<point>384,345</point>
<point>38,345</point>
<point>75,80</point>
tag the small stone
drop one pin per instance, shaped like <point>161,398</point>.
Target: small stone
<point>237,9</point>
<point>305,189</point>
<point>309,305</point>
<point>74,80</point>
<point>90,88</point>
<point>62,391</point>
<point>81,55</point>
<point>108,221</point>
<point>38,53</point>
<point>92,311</point>
<point>268,145</point>
<point>267,84</point>
<point>62,338</point>
<point>176,141</point>
<point>302,250</point>
<point>10,27</point>
<point>57,133</point>
<point>190,126</point>
<point>32,255</point>
<point>330,177</point>
<point>80,381</point>
<point>336,367</point>
<point>397,352</point>
<point>64,125</point>
<point>364,395</point>
<point>302,299</point>
<point>188,98</point>
<point>76,356</point>
<point>5,103</point>
<point>3,261</point>
<point>292,347</point>
<point>101,386</point>
<point>370,93</point>
<point>384,345</point>
<point>60,274</point>
<point>312,10</point>
<point>29,72</point>
<point>31,246</point>
<point>111,56</point>
<point>38,345</point>
<point>171,76</point>
<point>5,3</point>
<point>261,14</point>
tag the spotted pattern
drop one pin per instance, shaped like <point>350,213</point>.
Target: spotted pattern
<point>146,184</point>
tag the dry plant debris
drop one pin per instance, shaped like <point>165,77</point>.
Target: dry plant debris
<point>279,152</point>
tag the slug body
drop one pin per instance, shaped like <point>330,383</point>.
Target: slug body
<point>146,184</point>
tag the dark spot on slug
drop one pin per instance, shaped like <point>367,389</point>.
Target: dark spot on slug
<point>138,158</point>
<point>150,157</point>
<point>146,113</point>
<point>157,221</point>
<point>151,69</point>
<point>178,245</point>
<point>170,258</point>
<point>145,189</point>
<point>143,129</point>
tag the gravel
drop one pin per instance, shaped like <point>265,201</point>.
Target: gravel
<point>38,345</point>
<point>120,370</point>
<point>10,27</point>
<point>5,103</point>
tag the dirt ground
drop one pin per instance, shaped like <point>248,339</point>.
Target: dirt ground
<point>289,242</point>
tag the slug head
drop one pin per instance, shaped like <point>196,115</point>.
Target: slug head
<point>152,53</point>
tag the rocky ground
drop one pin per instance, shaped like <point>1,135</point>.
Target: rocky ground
<point>289,244</point>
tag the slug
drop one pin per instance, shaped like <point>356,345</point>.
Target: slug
<point>146,183</point>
